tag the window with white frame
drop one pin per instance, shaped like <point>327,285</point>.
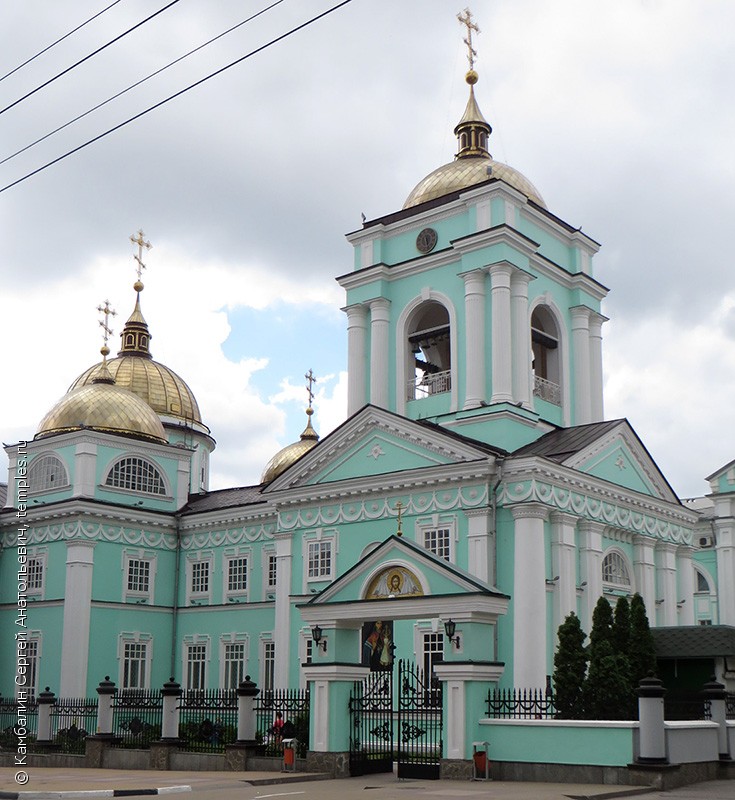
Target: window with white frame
<point>196,666</point>
<point>433,654</point>
<point>320,559</point>
<point>199,578</point>
<point>135,662</point>
<point>702,584</point>
<point>36,575</point>
<point>615,572</point>
<point>272,574</point>
<point>437,534</point>
<point>267,664</point>
<point>136,475</point>
<point>306,654</point>
<point>234,657</point>
<point>30,682</point>
<point>46,473</point>
<point>236,575</point>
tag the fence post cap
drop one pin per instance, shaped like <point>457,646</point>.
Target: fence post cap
<point>47,697</point>
<point>714,690</point>
<point>171,688</point>
<point>247,688</point>
<point>650,686</point>
<point>107,686</point>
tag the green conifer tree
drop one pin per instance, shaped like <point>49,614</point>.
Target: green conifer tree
<point>570,666</point>
<point>641,651</point>
<point>621,647</point>
<point>606,689</point>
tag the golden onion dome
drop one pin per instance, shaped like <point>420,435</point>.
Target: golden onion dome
<point>102,406</point>
<point>283,459</point>
<point>473,163</point>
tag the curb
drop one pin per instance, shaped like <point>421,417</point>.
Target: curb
<point>92,793</point>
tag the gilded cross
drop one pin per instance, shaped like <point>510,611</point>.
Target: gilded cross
<point>471,26</point>
<point>399,509</point>
<point>141,242</point>
<point>105,321</point>
<point>310,388</point>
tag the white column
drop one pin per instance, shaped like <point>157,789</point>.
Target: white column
<point>481,545</point>
<point>644,565</point>
<point>282,633</point>
<point>685,571</point>
<point>502,361</point>
<point>379,329</point>
<point>357,361</point>
<point>725,548</point>
<point>563,566</point>
<point>521,337</point>
<point>76,620</point>
<point>85,458</point>
<point>596,397</point>
<point>666,583</point>
<point>581,361</point>
<point>590,546</point>
<point>474,305</point>
<point>529,597</point>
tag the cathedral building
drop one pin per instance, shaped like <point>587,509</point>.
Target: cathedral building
<point>475,480</point>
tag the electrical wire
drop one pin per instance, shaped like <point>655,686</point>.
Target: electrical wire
<point>138,83</point>
<point>177,94</point>
<point>86,58</point>
<point>53,44</point>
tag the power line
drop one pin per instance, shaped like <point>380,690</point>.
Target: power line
<point>178,94</point>
<point>53,44</point>
<point>86,58</point>
<point>138,83</point>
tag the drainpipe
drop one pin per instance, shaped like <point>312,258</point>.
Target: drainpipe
<point>175,604</point>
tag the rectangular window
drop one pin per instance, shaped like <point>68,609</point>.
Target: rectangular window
<point>237,575</point>
<point>433,654</point>
<point>438,541</point>
<point>200,577</point>
<point>320,559</point>
<point>272,571</point>
<point>134,665</point>
<point>234,663</point>
<point>269,665</point>
<point>139,575</point>
<point>35,574</point>
<point>32,656</point>
<point>196,664</point>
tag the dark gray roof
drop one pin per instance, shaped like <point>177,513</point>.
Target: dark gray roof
<point>223,498</point>
<point>563,443</point>
<point>694,641</point>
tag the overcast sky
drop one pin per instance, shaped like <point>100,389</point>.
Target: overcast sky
<point>621,113</point>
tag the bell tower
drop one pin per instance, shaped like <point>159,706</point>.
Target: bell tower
<point>474,306</point>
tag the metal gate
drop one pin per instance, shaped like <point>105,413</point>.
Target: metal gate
<point>405,727</point>
<point>371,724</point>
<point>420,721</point>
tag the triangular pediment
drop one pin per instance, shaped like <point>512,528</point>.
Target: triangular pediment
<point>378,442</point>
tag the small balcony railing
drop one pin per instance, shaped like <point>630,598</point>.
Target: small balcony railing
<point>547,390</point>
<point>428,385</point>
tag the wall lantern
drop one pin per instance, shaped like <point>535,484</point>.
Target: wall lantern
<point>449,628</point>
<point>316,635</point>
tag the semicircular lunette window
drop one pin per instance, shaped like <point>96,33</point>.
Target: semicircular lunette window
<point>136,475</point>
<point>47,472</point>
<point>615,571</point>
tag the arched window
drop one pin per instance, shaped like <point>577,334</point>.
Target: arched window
<point>545,348</point>
<point>137,475</point>
<point>615,574</point>
<point>47,472</point>
<point>430,345</point>
<point>702,583</point>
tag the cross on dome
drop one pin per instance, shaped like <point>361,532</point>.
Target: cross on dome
<point>139,239</point>
<point>471,26</point>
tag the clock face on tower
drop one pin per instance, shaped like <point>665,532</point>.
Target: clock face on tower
<point>426,240</point>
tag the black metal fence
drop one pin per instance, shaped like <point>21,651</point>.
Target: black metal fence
<point>9,720</point>
<point>208,720</point>
<point>521,704</point>
<point>137,718</point>
<point>681,705</point>
<point>282,714</point>
<point>72,720</point>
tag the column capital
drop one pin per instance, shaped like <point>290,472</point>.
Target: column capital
<point>591,526</point>
<point>530,511</point>
<point>500,273</point>
<point>564,517</point>
<point>474,281</point>
<point>356,314</point>
<point>580,316</point>
<point>379,304</point>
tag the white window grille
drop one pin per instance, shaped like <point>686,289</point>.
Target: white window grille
<point>200,577</point>
<point>268,665</point>
<point>196,666</point>
<point>439,541</point>
<point>234,664</point>
<point>139,575</point>
<point>47,472</point>
<point>33,656</point>
<point>35,575</point>
<point>272,571</point>
<point>135,659</point>
<point>320,559</point>
<point>137,475</point>
<point>237,574</point>
<point>615,571</point>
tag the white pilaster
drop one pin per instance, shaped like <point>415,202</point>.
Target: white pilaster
<point>644,565</point>
<point>502,361</point>
<point>521,337</point>
<point>581,360</point>
<point>596,397</point>
<point>85,457</point>
<point>379,330</point>
<point>356,358</point>
<point>685,571</point>
<point>590,545</point>
<point>76,619</point>
<point>282,632</point>
<point>725,548</point>
<point>481,545</point>
<point>529,597</point>
<point>474,305</point>
<point>666,583</point>
<point>563,566</point>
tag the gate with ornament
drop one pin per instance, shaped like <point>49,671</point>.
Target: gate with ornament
<point>396,721</point>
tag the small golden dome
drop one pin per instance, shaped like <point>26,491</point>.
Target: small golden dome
<point>465,172</point>
<point>283,459</point>
<point>102,406</point>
